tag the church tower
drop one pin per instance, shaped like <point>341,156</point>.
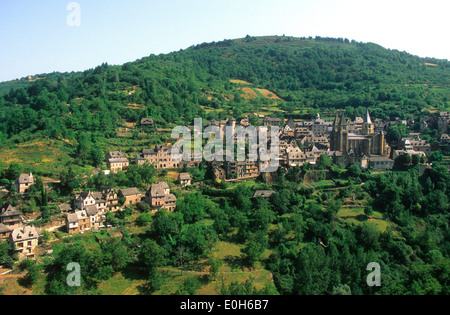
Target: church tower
<point>368,128</point>
<point>339,135</point>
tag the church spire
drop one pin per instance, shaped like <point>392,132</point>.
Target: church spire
<point>368,120</point>
<point>368,127</point>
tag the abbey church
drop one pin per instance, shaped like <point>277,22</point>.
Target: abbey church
<point>366,143</point>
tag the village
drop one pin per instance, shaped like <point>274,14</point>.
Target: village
<point>362,141</point>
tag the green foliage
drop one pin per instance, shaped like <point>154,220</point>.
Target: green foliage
<point>151,255</point>
<point>189,287</point>
<point>192,207</point>
<point>144,219</point>
<point>96,264</point>
<point>313,250</point>
<point>5,259</point>
<point>33,273</point>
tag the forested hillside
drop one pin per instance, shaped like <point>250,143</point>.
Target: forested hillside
<point>306,74</point>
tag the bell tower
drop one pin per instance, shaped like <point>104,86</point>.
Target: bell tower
<point>368,128</point>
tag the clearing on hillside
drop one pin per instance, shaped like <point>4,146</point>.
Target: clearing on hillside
<point>269,94</point>
<point>249,93</point>
<point>240,82</point>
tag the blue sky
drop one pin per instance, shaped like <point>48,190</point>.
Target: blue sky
<point>35,37</point>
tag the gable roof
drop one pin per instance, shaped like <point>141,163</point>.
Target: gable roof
<point>185,176</point>
<point>72,218</point>
<point>157,190</point>
<point>4,228</point>
<point>171,198</point>
<point>130,192</point>
<point>91,210</point>
<point>86,194</point>
<point>8,210</point>
<point>64,208</point>
<point>25,178</point>
<point>24,233</point>
<point>164,185</point>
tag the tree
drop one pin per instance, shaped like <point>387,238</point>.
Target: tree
<point>221,221</point>
<point>69,181</point>
<point>342,289</point>
<point>368,211</point>
<point>182,256</point>
<point>13,171</point>
<point>214,266</point>
<point>253,250</point>
<point>144,219</point>
<point>325,161</point>
<point>415,160</point>
<point>281,201</point>
<point>32,275</point>
<point>189,287</point>
<point>192,207</point>
<point>403,160</point>
<point>313,273</point>
<point>96,156</point>
<point>394,135</point>
<point>151,255</point>
<point>354,170</point>
<point>198,238</point>
<point>154,283</point>
<point>333,208</point>
<point>114,254</point>
<point>436,156</point>
<point>262,216</point>
<point>5,259</point>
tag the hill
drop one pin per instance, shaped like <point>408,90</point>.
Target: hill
<point>275,75</point>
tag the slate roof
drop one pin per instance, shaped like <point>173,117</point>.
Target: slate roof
<point>25,178</point>
<point>185,176</point>
<point>24,233</point>
<point>7,210</point>
<point>130,192</point>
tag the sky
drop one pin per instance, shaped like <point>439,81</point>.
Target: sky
<point>43,36</point>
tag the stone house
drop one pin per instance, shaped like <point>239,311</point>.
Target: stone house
<point>24,241</point>
<point>160,157</point>
<point>380,163</point>
<point>24,182</point>
<point>84,199</point>
<point>112,199</point>
<point>77,222</point>
<point>93,214</point>
<point>65,208</point>
<point>100,202</point>
<point>159,197</point>
<point>272,122</point>
<point>185,179</point>
<point>116,161</point>
<point>10,217</point>
<point>5,232</point>
<point>132,196</point>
